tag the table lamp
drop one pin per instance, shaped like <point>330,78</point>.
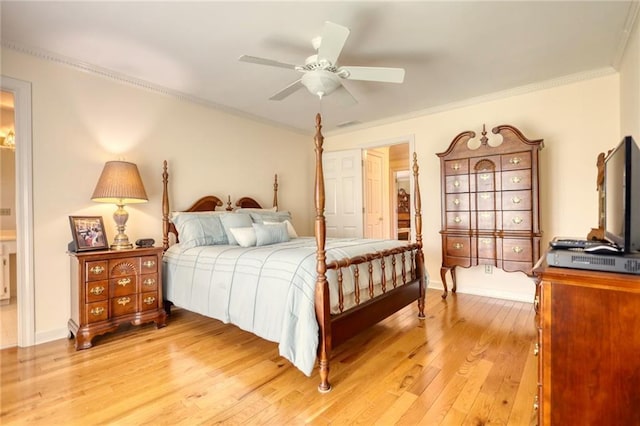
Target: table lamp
<point>120,184</point>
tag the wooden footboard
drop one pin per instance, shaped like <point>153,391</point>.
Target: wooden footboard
<point>401,291</point>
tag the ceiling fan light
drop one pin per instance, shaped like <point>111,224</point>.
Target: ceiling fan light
<point>320,82</point>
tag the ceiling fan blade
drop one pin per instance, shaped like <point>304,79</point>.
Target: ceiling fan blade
<point>334,37</point>
<point>385,75</point>
<point>344,97</point>
<point>296,85</point>
<point>263,61</point>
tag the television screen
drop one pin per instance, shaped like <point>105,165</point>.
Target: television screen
<point>622,196</point>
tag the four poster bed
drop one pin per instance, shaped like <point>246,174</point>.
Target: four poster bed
<point>308,294</point>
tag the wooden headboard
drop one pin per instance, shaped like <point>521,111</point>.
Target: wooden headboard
<point>207,203</point>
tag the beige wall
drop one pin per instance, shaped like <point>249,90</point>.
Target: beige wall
<point>80,121</point>
<point>577,121</point>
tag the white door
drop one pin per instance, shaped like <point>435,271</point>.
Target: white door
<point>343,193</point>
<point>373,200</point>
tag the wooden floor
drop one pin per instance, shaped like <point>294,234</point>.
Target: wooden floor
<point>470,362</point>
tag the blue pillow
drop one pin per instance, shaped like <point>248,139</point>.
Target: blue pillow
<point>198,229</point>
<point>234,220</point>
<point>262,216</point>
<point>271,234</point>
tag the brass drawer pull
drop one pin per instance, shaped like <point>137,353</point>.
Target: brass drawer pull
<point>124,282</point>
<point>485,196</point>
<point>486,241</point>
<point>124,300</point>
<point>97,311</point>
<point>458,246</point>
<point>517,220</point>
<point>515,160</point>
<point>96,290</point>
<point>149,263</point>
<point>485,215</point>
<point>457,219</point>
<point>485,176</point>
<point>149,282</point>
<point>149,300</point>
<point>456,183</point>
<point>536,303</point>
<point>455,166</point>
<point>518,249</point>
<point>516,200</point>
<point>516,179</point>
<point>97,270</point>
<point>536,405</point>
<point>456,202</point>
<point>536,349</point>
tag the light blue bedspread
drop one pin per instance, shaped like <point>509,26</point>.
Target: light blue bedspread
<point>267,290</point>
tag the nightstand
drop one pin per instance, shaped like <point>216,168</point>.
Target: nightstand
<point>112,287</point>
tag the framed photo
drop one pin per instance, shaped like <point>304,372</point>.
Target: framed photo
<point>88,233</point>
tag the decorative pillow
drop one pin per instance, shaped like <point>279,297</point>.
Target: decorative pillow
<point>197,229</point>
<point>246,237</point>
<point>290,229</point>
<point>261,217</point>
<point>270,234</point>
<point>234,220</point>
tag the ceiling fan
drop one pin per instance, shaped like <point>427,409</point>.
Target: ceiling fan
<point>321,74</point>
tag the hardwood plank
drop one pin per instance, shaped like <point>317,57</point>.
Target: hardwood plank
<point>456,366</point>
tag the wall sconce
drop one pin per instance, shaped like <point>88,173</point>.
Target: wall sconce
<point>8,141</point>
<point>120,184</point>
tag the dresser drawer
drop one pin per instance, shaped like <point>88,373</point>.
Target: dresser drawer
<point>516,180</point>
<point>96,270</point>
<point>149,282</point>
<point>486,220</point>
<point>123,286</point>
<point>486,201</point>
<point>97,311</point>
<point>516,220</point>
<point>456,167</point>
<point>148,301</point>
<point>96,291</point>
<point>517,160</point>
<point>457,202</point>
<point>487,248</point>
<point>124,305</point>
<point>149,264</point>
<point>457,220</point>
<point>516,200</point>
<point>458,246</point>
<point>517,249</point>
<point>455,184</point>
<point>484,181</point>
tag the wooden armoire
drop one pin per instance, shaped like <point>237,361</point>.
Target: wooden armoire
<point>490,202</point>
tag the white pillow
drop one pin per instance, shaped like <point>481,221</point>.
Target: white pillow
<point>234,220</point>
<point>290,229</point>
<point>246,237</point>
<point>270,234</point>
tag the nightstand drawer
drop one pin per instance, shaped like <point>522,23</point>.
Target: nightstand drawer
<point>97,270</point>
<point>98,311</point>
<point>124,305</point>
<point>149,301</point>
<point>148,265</point>
<point>97,290</point>
<point>123,286</point>
<point>149,282</point>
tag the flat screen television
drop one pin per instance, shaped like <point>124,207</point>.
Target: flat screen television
<point>622,196</point>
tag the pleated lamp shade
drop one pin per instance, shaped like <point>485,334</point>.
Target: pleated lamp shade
<point>120,183</point>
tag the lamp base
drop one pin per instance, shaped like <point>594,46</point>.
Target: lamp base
<point>121,246</point>
<point>121,240</point>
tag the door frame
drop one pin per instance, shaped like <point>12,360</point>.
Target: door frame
<point>24,208</point>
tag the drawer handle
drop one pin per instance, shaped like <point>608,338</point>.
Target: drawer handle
<point>97,311</point>
<point>96,290</point>
<point>485,215</point>
<point>485,196</point>
<point>485,176</point>
<point>517,220</point>
<point>536,303</point>
<point>124,300</point>
<point>457,219</point>
<point>149,263</point>
<point>455,166</point>
<point>149,300</point>
<point>536,349</point>
<point>516,200</point>
<point>458,246</point>
<point>515,160</point>
<point>536,405</point>
<point>149,282</point>
<point>518,249</point>
<point>486,241</point>
<point>456,202</point>
<point>124,282</point>
<point>456,183</point>
<point>516,179</point>
<point>97,270</point>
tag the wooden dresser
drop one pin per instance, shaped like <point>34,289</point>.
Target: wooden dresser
<point>490,211</point>
<point>588,347</point>
<point>109,288</point>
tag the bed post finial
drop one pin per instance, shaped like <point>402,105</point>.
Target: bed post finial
<point>322,286</point>
<point>275,191</point>
<point>165,207</point>
<point>418,217</point>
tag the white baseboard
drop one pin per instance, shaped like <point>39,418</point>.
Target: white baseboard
<point>50,335</point>
<point>488,292</point>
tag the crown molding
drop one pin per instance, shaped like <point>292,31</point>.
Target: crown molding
<point>627,30</point>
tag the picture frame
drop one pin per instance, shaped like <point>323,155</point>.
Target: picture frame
<point>88,233</point>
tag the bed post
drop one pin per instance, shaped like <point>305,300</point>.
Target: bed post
<point>323,313</point>
<point>418,212</point>
<point>275,191</point>
<point>165,207</point>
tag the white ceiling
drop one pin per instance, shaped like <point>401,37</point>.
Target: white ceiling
<point>452,51</point>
